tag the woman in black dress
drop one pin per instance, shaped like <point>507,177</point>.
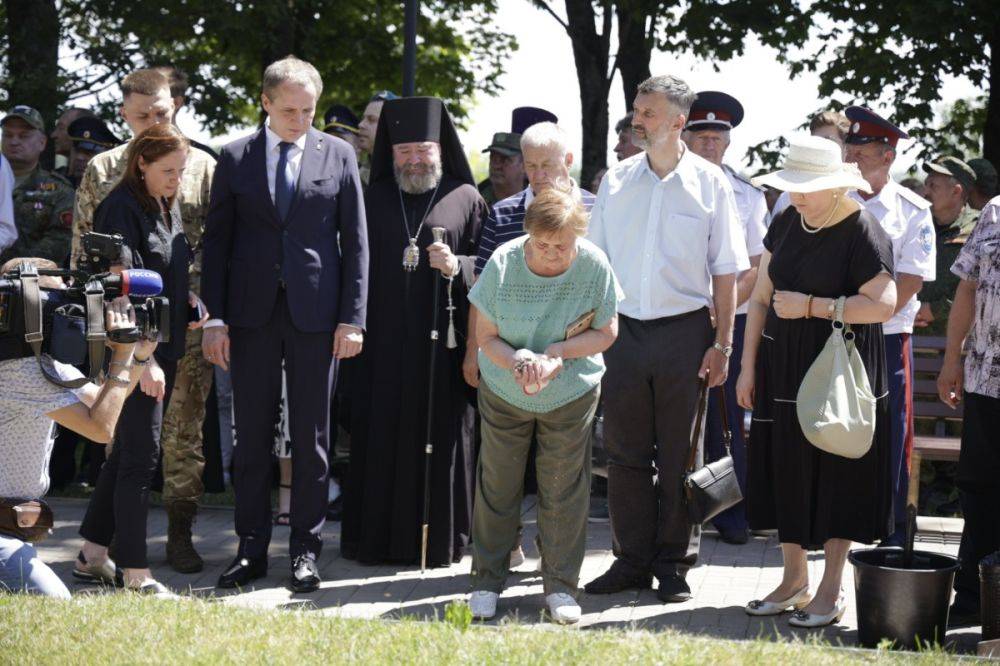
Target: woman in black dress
<point>821,248</point>
<point>143,209</point>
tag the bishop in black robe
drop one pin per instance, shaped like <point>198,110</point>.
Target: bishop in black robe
<point>383,501</point>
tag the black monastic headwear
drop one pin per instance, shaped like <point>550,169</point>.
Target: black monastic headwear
<point>414,119</point>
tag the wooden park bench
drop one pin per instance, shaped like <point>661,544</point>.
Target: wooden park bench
<point>928,356</point>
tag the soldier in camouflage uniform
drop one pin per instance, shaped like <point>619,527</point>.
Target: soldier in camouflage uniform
<point>949,182</point>
<point>147,102</point>
<point>43,201</point>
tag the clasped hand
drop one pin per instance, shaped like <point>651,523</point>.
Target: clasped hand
<point>534,369</point>
<point>790,304</point>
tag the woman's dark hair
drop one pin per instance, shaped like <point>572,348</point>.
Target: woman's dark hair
<point>152,145</point>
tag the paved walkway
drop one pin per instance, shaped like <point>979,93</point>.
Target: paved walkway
<point>726,578</point>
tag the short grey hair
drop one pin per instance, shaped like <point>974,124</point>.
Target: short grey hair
<point>677,92</point>
<point>291,70</point>
<point>545,135</point>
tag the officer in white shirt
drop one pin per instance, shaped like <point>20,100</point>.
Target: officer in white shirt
<point>712,117</point>
<point>906,217</point>
<point>668,221</point>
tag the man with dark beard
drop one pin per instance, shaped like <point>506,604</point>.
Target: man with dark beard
<point>420,180</point>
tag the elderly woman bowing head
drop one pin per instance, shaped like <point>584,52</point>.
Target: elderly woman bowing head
<point>548,305</point>
<point>822,248</point>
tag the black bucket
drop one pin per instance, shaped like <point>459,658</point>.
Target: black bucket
<point>907,606</point>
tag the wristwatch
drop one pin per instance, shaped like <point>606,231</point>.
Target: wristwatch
<point>726,351</point>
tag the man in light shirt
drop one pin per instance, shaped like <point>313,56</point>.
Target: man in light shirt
<point>906,217</point>
<point>668,221</point>
<point>712,117</point>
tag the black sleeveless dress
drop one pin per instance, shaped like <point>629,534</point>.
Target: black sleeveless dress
<point>809,495</point>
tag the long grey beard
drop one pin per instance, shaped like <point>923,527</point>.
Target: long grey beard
<point>418,183</point>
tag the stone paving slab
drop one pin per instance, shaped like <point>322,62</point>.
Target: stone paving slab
<point>725,579</point>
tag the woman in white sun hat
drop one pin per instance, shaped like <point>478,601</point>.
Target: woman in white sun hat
<point>820,248</point>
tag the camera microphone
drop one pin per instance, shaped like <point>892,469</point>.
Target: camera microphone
<point>136,282</point>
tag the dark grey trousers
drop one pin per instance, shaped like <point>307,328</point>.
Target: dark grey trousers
<point>650,394</point>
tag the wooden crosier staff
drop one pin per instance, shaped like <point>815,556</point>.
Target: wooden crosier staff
<point>429,448</point>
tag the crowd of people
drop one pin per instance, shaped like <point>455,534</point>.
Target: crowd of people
<point>352,294</point>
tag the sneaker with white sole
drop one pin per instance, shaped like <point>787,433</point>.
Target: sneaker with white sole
<point>563,608</point>
<point>483,604</point>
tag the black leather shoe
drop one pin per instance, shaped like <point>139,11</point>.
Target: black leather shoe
<point>618,579</point>
<point>241,571</point>
<point>305,575</point>
<point>673,589</point>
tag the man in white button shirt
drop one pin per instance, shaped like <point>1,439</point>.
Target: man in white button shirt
<point>906,217</point>
<point>668,222</point>
<point>712,117</point>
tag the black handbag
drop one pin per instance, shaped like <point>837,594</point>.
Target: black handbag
<point>714,487</point>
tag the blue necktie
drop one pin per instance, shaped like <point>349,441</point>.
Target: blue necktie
<point>284,189</point>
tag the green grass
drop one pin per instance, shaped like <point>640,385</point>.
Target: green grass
<point>119,628</point>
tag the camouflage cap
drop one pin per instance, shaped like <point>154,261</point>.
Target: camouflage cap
<point>27,114</point>
<point>949,165</point>
<point>505,143</point>
<point>986,175</point>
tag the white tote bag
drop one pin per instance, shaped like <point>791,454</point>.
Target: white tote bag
<point>835,404</point>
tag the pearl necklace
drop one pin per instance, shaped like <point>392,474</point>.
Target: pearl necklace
<point>820,228</point>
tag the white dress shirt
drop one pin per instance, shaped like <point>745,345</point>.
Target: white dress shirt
<point>8,229</point>
<point>667,238</point>
<point>752,207</point>
<point>292,164</point>
<point>906,217</point>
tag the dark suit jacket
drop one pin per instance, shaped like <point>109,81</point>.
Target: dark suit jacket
<point>323,245</point>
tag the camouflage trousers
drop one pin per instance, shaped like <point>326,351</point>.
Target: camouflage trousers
<point>181,438</point>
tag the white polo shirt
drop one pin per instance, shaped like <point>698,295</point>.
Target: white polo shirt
<point>752,208</point>
<point>667,238</point>
<point>906,217</point>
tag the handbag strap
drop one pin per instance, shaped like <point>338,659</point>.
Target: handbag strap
<point>727,433</point>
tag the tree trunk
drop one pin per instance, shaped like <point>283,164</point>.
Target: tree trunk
<point>590,52</point>
<point>991,132</point>
<point>634,46</point>
<point>33,58</point>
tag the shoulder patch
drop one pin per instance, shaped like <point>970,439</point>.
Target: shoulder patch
<point>914,198</point>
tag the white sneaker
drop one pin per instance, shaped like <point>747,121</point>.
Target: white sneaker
<point>563,608</point>
<point>516,557</point>
<point>483,604</point>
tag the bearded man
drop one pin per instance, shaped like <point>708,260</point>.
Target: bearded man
<point>420,180</point>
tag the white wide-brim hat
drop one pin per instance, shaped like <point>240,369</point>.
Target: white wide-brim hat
<point>813,164</point>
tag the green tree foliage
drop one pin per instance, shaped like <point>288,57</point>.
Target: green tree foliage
<point>224,46</point>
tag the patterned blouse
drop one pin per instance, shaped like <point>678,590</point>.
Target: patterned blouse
<point>979,262</point>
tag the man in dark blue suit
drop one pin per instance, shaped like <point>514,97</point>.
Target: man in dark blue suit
<point>284,276</point>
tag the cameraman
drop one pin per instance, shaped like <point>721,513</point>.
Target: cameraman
<point>28,406</point>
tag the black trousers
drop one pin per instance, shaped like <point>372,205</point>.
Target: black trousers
<point>311,370</point>
<point>650,393</point>
<point>979,491</point>
<point>119,505</point>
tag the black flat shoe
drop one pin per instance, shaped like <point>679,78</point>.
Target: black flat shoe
<point>241,571</point>
<point>673,590</point>
<point>618,579</point>
<point>305,575</point>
